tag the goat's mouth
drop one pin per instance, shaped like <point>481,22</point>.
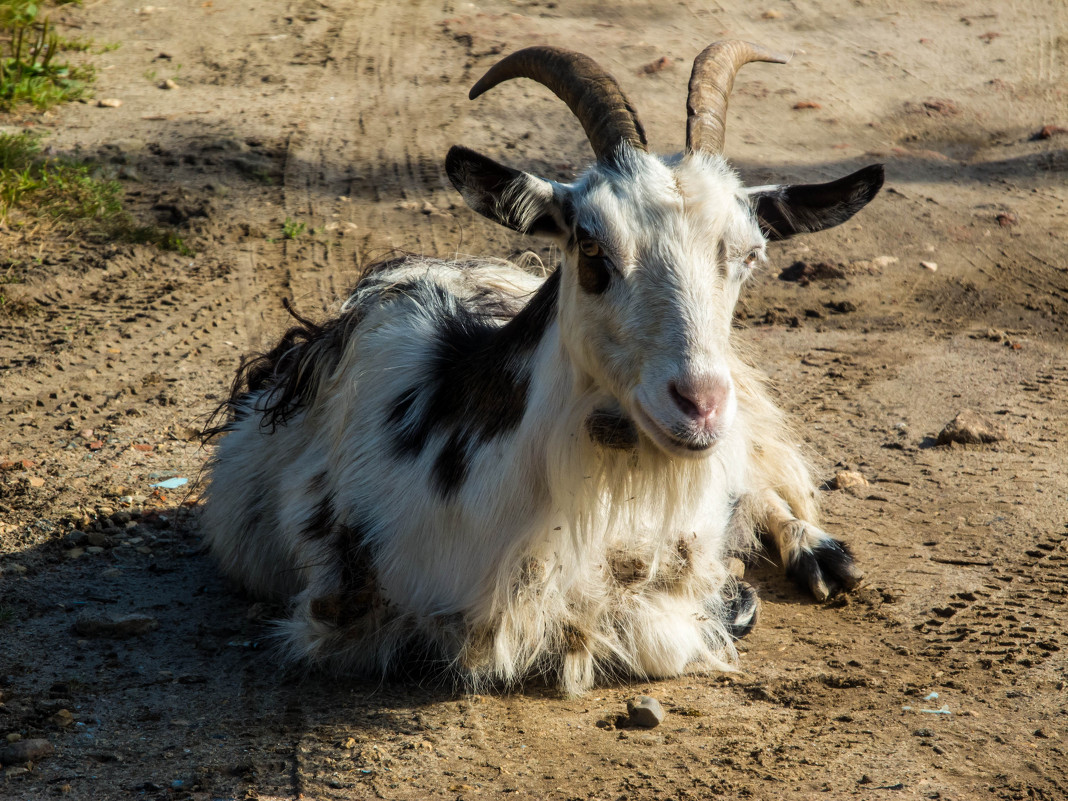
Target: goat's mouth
<point>675,441</point>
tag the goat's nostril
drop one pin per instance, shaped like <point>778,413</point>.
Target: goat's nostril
<point>688,406</point>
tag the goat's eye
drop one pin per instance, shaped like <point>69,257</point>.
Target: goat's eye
<point>594,274</point>
<point>591,249</point>
<point>752,258</point>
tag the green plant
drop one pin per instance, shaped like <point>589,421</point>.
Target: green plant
<point>29,69</point>
<point>291,228</point>
<point>71,195</point>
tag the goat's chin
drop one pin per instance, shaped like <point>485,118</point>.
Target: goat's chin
<point>693,446</point>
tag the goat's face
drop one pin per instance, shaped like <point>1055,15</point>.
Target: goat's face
<point>654,257</point>
<point>655,254</point>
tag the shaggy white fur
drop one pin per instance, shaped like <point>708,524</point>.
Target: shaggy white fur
<point>418,471</point>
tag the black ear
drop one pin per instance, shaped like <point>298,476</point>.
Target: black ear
<point>784,211</point>
<point>510,197</point>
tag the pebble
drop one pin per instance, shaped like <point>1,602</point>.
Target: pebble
<point>26,751</point>
<point>98,539</point>
<point>109,102</point>
<point>849,478</point>
<point>115,628</point>
<point>772,13</point>
<point>36,481</point>
<point>645,712</point>
<point>77,537</point>
<point>660,64</point>
<point>929,265</point>
<point>805,104</point>
<point>74,553</point>
<point>971,428</point>
<point>168,84</point>
<point>14,737</point>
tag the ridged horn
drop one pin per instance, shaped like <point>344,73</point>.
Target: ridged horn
<point>592,94</point>
<point>711,82</point>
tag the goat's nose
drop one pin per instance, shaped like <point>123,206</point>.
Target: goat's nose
<point>701,400</point>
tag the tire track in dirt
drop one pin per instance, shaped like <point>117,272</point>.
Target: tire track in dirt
<point>378,132</point>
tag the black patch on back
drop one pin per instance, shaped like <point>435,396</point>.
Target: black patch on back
<point>319,524</point>
<point>477,384</point>
<point>450,468</point>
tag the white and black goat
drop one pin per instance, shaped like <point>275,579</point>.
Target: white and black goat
<point>527,475</point>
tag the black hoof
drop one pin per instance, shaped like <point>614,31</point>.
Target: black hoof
<point>825,570</point>
<point>740,613</point>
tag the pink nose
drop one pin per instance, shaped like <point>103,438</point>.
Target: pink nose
<point>701,400</point>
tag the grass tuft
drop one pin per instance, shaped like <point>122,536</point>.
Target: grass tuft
<point>30,69</point>
<point>35,187</point>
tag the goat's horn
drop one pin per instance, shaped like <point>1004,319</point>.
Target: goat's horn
<point>591,93</point>
<point>710,85</point>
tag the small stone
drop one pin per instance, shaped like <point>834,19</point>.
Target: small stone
<point>77,537</point>
<point>26,751</point>
<point>168,84</point>
<point>94,549</point>
<point>96,445</point>
<point>923,733</point>
<point>806,104</point>
<point>98,539</point>
<point>1042,734</point>
<point>74,553</point>
<point>929,265</point>
<point>645,712</point>
<point>109,102</point>
<point>1049,131</point>
<point>1008,219</point>
<point>971,428</point>
<point>14,737</point>
<point>849,478</point>
<point>86,433</point>
<point>349,742</point>
<point>36,481</point>
<point>884,261</point>
<point>115,628</point>
<point>772,13</point>
<point>659,65</point>
<point>63,718</point>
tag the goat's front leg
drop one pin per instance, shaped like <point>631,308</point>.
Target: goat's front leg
<point>813,558</point>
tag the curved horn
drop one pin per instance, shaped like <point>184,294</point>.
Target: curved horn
<point>591,93</point>
<point>710,85</point>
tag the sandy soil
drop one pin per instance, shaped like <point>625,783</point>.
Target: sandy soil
<point>338,114</point>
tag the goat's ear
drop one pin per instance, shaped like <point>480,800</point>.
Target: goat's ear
<point>788,210</point>
<point>515,199</point>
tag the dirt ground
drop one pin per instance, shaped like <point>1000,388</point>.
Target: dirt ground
<point>338,115</point>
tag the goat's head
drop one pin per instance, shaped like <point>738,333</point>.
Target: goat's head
<point>655,250</point>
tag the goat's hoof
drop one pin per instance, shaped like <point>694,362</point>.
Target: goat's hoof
<point>741,610</point>
<point>826,569</point>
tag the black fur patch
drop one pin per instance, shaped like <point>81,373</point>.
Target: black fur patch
<point>477,384</point>
<point>832,561</point>
<point>612,429</point>
<point>321,521</point>
<point>450,468</point>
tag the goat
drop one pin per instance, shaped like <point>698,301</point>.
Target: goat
<point>538,476</point>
